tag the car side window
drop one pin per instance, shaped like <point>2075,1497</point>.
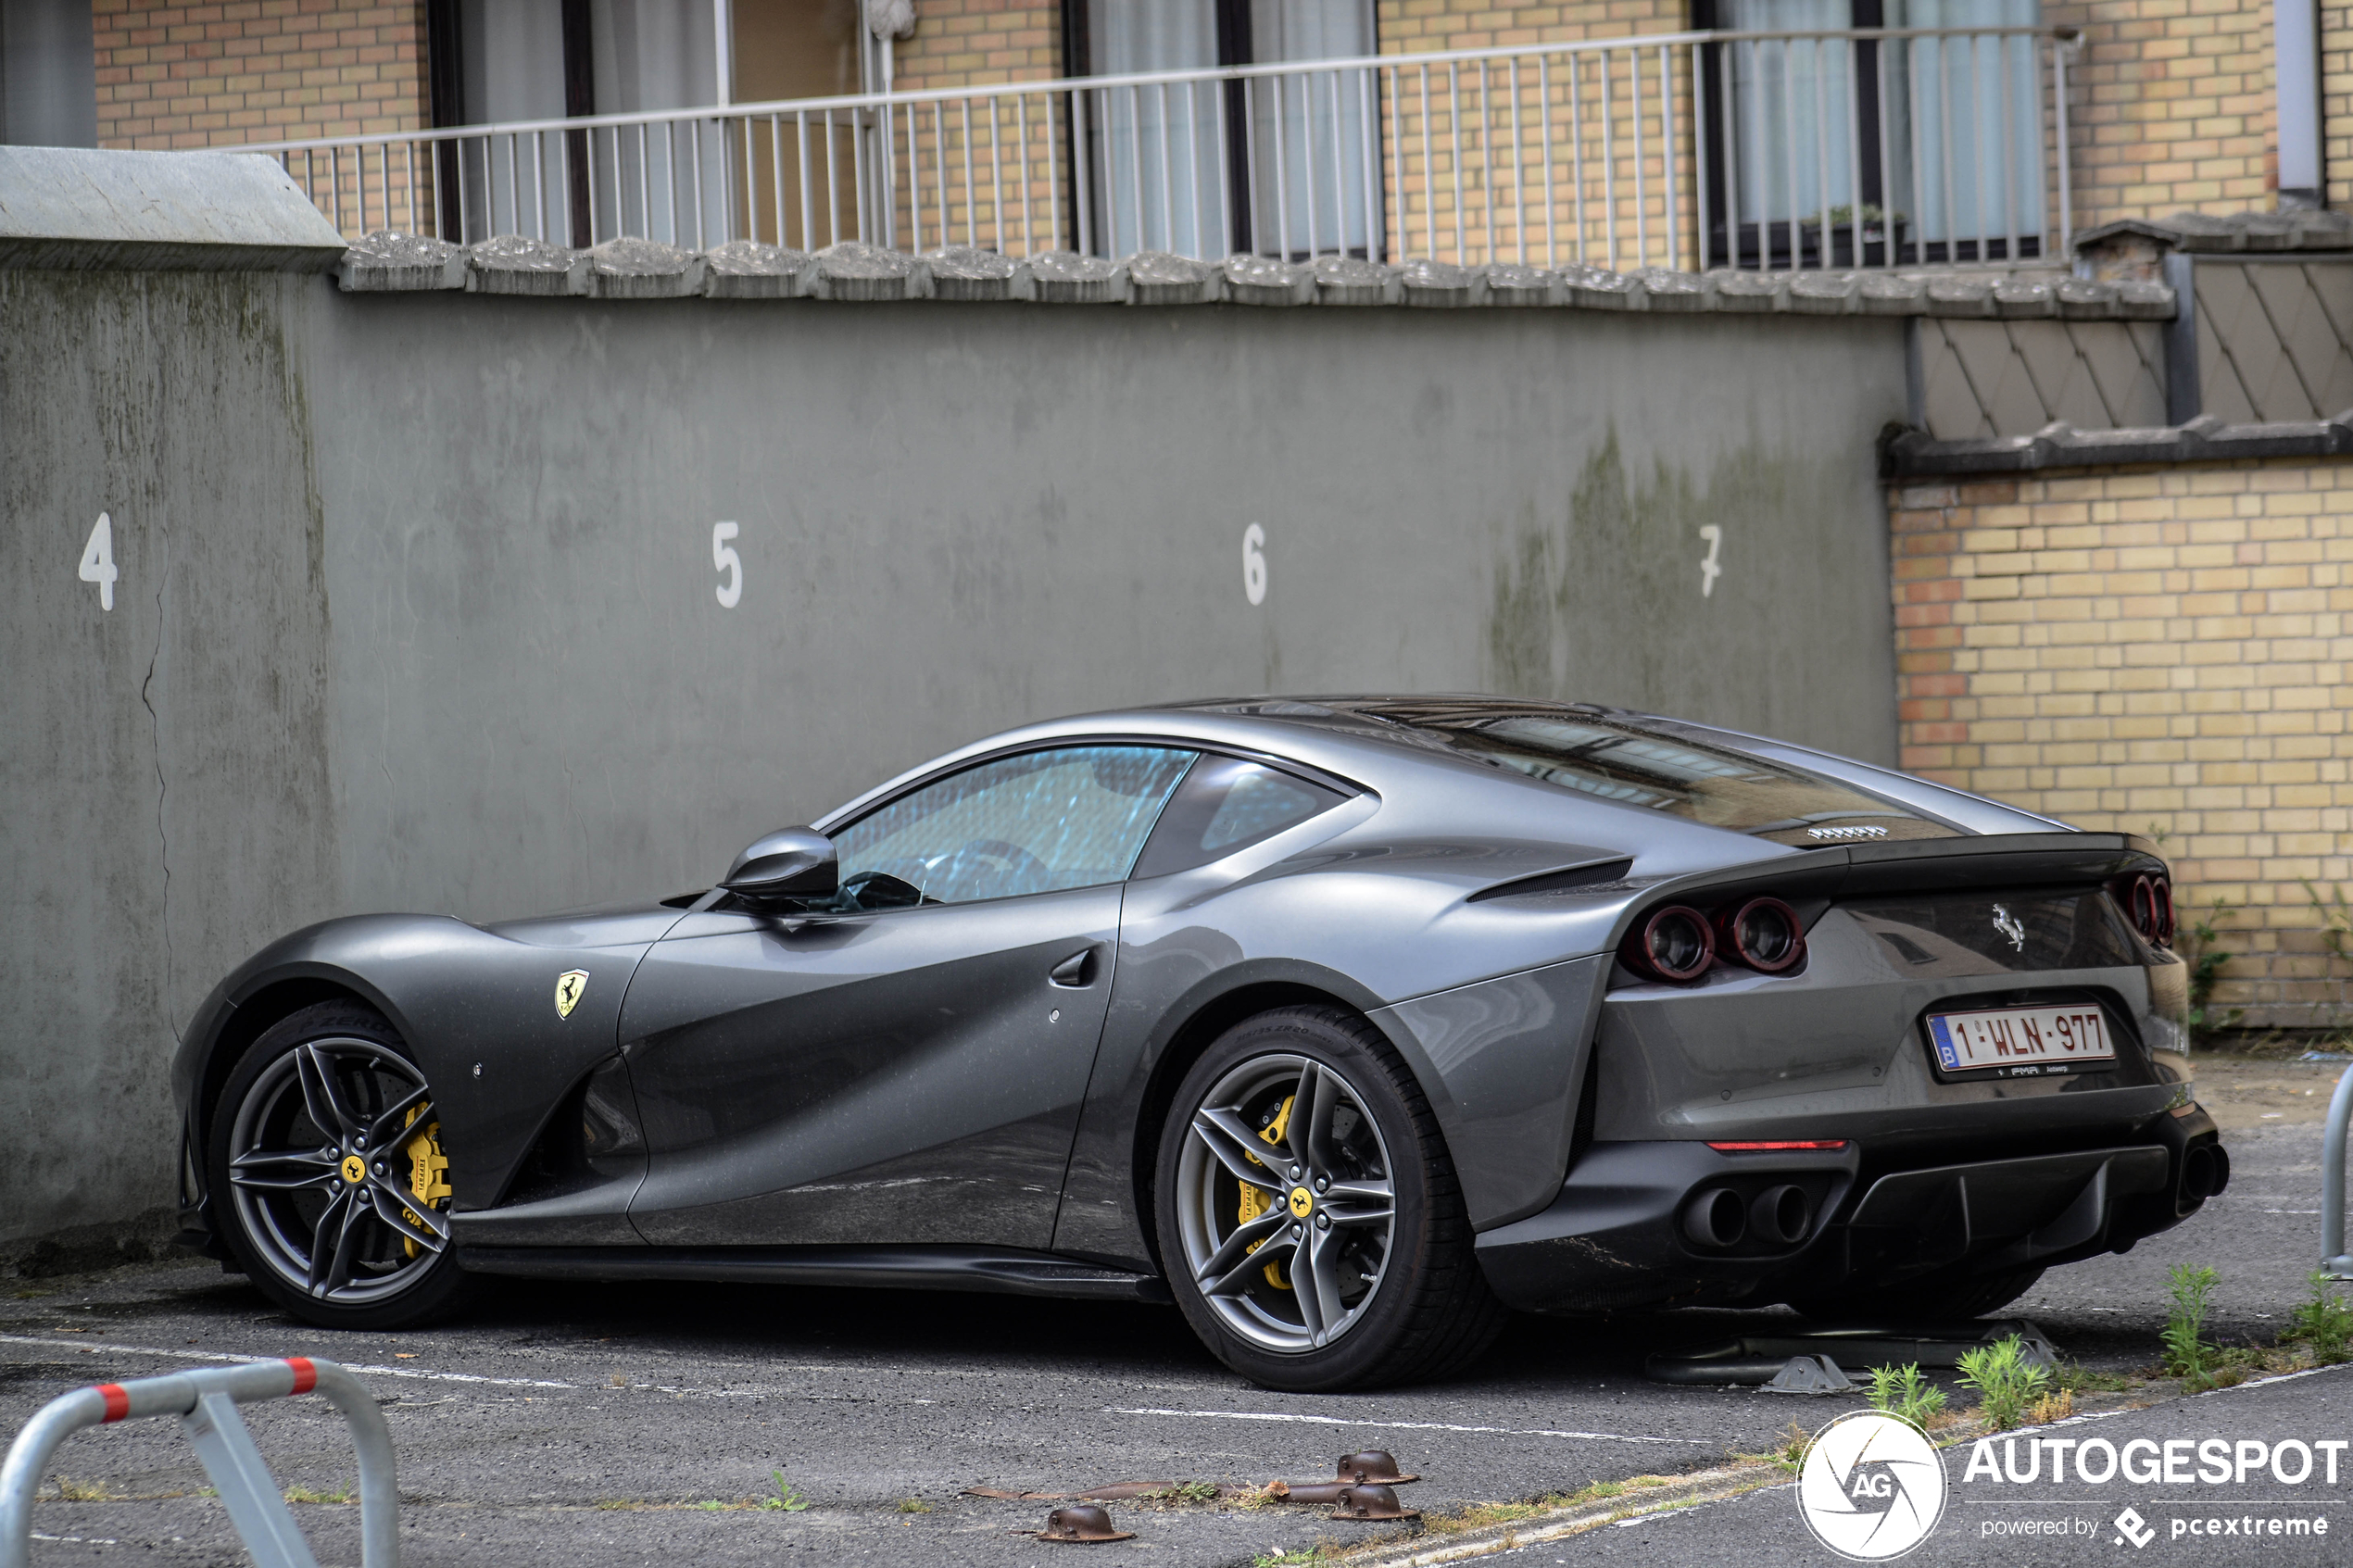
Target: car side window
<point>1073,816</point>
<point>1226,804</point>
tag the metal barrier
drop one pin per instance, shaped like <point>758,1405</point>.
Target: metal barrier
<point>1767,150</point>
<point>206,1402</point>
<point>2334,1260</point>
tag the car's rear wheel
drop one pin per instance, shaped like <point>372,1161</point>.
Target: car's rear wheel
<point>1941,1302</point>
<point>328,1175</point>
<point>1309,1218</point>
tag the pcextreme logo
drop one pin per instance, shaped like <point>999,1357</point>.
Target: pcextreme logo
<point>1872,1486</point>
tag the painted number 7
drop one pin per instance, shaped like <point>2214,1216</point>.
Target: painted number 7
<point>97,561</point>
<point>731,592</point>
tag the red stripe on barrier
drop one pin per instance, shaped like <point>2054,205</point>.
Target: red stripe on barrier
<point>117,1401</point>
<point>306,1376</point>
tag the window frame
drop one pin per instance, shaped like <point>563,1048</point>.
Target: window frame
<point>1768,243</point>
<point>1236,24</point>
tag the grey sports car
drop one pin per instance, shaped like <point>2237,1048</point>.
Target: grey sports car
<point>1348,1023</point>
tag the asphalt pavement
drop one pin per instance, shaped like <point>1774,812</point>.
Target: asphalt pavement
<point>636,1424</point>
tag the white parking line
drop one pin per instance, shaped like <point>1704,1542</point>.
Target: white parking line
<point>1404,1425</point>
<point>242,1361</point>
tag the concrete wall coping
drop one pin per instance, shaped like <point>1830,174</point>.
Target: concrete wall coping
<point>76,207</point>
<point>392,263</point>
<point>2301,230</point>
<point>1909,454</point>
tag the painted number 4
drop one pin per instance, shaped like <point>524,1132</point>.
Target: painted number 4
<point>97,561</point>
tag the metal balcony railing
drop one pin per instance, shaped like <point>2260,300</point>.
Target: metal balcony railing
<point>1867,147</point>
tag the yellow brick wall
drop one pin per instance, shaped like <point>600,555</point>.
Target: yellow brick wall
<point>264,71</point>
<point>2337,100</point>
<point>2159,651</point>
<point>978,42</point>
<point>2170,106</point>
<point>1445,208</point>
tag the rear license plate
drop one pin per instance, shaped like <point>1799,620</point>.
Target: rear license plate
<point>2022,1042</point>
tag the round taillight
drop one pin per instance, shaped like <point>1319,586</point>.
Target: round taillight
<point>1764,933</point>
<point>2164,886</point>
<point>1671,943</point>
<point>2144,907</point>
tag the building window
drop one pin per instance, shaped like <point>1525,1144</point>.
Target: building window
<point>1940,140</point>
<point>1283,165</point>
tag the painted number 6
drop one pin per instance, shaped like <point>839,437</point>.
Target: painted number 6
<point>731,592</point>
<point>1254,564</point>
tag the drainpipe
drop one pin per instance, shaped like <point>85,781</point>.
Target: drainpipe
<point>723,32</point>
<point>2296,42</point>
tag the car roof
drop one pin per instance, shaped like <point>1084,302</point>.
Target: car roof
<point>1372,741</point>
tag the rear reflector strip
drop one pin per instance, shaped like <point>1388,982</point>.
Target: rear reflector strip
<point>1803,1143</point>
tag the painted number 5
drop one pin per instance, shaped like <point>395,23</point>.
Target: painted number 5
<point>1254,564</point>
<point>731,592</point>
<point>97,561</point>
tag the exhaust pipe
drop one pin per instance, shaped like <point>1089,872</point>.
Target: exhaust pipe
<point>1716,1218</point>
<point>1780,1215</point>
<point>2205,1171</point>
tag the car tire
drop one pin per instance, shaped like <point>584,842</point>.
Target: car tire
<point>289,1193</point>
<point>1964,1298</point>
<point>1422,1310</point>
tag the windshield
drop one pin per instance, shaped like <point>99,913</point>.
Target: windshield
<point>1606,757</point>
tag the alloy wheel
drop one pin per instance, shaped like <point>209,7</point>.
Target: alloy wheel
<point>1285,1202</point>
<point>336,1170</point>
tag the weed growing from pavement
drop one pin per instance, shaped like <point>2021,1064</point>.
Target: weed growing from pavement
<point>2008,1385</point>
<point>913,1505</point>
<point>306,1494</point>
<point>786,1497</point>
<point>2324,1325</point>
<point>2189,1355</point>
<point>1281,1556</point>
<point>1189,1491</point>
<point>81,1492</point>
<point>2057,1405</point>
<point>1901,1391</point>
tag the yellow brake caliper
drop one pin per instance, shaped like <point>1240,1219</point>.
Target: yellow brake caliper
<point>428,1172</point>
<point>1256,1200</point>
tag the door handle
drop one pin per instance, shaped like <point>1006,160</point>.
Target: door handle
<point>1074,973</point>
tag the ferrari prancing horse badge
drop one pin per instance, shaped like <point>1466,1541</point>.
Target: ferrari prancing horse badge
<point>569,984</point>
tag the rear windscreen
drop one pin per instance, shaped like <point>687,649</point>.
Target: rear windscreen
<point>1631,766</point>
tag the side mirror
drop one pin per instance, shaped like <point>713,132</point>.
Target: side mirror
<point>792,863</point>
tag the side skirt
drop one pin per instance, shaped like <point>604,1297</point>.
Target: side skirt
<point>1000,1270</point>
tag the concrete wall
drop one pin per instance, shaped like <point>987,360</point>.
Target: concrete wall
<point>417,606</point>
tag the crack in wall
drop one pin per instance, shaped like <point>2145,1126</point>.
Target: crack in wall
<point>163,789</point>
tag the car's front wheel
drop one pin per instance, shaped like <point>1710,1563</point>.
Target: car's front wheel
<point>1309,1218</point>
<point>328,1175</point>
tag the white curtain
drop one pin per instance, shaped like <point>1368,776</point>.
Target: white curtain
<point>1312,132</point>
<point>1160,180</point>
<point>1156,169</point>
<point>1793,103</point>
<point>1969,159</point>
<point>1962,161</point>
<point>648,55</point>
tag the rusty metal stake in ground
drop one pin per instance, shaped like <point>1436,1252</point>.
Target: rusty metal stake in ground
<point>1081,1524</point>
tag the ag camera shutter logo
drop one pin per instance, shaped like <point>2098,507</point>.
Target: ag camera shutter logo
<point>1872,1486</point>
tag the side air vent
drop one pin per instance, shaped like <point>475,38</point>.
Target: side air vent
<point>1587,875</point>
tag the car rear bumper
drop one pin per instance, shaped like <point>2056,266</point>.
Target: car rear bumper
<point>1631,1227</point>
